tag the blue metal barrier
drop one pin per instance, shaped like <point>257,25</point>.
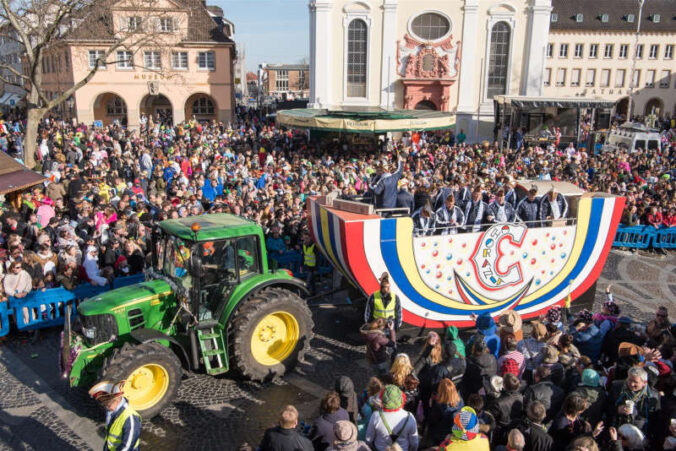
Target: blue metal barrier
<point>43,308</point>
<point>293,261</point>
<point>4,318</point>
<point>48,308</point>
<point>120,282</point>
<point>665,238</point>
<point>637,237</point>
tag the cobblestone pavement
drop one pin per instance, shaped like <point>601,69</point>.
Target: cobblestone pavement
<point>38,410</point>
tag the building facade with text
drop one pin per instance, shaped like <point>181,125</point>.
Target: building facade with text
<point>187,71</point>
<point>592,46</point>
<point>447,55</point>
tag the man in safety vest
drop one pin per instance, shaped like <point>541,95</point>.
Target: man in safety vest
<point>309,261</point>
<point>384,304</point>
<point>123,424</point>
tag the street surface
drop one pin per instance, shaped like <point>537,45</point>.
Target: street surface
<point>38,410</point>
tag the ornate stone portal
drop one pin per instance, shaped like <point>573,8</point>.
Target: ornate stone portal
<point>427,71</point>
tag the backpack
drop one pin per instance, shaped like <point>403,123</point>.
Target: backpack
<point>394,436</point>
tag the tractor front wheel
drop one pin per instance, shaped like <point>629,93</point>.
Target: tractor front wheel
<point>152,375</point>
<point>269,333</point>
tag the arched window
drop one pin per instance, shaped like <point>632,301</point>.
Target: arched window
<point>203,106</point>
<point>498,60</point>
<point>116,107</point>
<point>357,41</point>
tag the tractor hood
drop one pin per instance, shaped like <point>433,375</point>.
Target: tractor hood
<point>121,298</point>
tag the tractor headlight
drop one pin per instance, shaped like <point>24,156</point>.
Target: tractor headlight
<point>89,332</point>
<point>98,328</point>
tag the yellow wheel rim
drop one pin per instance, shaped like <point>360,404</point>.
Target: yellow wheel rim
<point>146,386</point>
<point>274,338</point>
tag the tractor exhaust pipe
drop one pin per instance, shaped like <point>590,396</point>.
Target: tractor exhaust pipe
<point>193,350</point>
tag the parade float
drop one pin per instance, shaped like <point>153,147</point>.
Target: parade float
<point>442,279</point>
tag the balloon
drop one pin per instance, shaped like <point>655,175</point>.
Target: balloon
<point>416,137</point>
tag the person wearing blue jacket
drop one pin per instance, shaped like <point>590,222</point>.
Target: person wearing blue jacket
<point>586,336</point>
<point>384,186</point>
<point>486,326</point>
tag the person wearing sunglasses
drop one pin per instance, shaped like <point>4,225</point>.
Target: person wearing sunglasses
<point>659,329</point>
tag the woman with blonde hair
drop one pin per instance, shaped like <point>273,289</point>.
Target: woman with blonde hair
<point>402,375</point>
<point>445,404</point>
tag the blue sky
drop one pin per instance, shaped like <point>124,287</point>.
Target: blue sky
<point>273,31</point>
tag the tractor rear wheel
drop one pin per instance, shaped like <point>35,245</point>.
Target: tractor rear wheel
<point>152,373</point>
<point>269,333</point>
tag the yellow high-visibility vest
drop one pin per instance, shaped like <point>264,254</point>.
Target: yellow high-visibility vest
<point>380,310</point>
<point>114,436</point>
<point>309,257</point>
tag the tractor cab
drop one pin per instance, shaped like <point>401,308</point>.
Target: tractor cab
<point>208,271</point>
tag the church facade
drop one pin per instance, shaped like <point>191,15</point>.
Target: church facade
<point>446,55</point>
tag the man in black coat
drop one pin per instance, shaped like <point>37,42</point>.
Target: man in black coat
<point>477,213</point>
<point>533,429</point>
<point>546,392</point>
<point>622,333</point>
<point>528,209</point>
<point>507,408</point>
<point>286,436</point>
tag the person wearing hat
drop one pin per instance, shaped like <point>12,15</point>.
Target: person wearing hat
<point>509,323</point>
<point>123,424</point>
<point>528,208</point>
<point>531,347</point>
<point>345,438</point>
<point>552,206</point>
<point>507,408</point>
<point>486,327</point>
<point>392,424</point>
<point>621,334</point>
<point>550,358</point>
<point>465,433</point>
<point>595,395</point>
<point>91,267</point>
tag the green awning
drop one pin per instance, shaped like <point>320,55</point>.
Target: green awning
<point>365,120</point>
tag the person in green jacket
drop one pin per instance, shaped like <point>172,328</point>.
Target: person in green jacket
<point>452,335</point>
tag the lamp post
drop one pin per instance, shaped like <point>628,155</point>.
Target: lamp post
<point>633,60</point>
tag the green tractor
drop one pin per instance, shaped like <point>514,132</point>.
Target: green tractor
<point>209,303</point>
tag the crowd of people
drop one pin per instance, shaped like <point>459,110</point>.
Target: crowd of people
<point>108,185</point>
<point>584,382</point>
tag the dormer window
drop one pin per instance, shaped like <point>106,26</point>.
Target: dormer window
<point>604,18</point>
<point>554,17</point>
<point>133,23</point>
<point>166,24</point>
<point>656,18</point>
<point>579,18</point>
<point>631,18</point>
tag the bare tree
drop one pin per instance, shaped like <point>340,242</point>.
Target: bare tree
<point>44,27</point>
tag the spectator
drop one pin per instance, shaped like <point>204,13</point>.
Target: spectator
<point>631,438</point>
<point>446,403</point>
<point>593,394</point>
<point>345,438</point>
<point>659,329</point>
<point>546,392</point>
<point>569,425</point>
<point>17,282</point>
<point>465,433</point>
<point>481,366</point>
<point>377,343</point>
<point>348,398</point>
<point>330,413</point>
<point>507,408</point>
<point>486,329</point>
<point>285,436</point>
<point>402,375</point>
<point>632,401</point>
<point>392,424</point>
<point>534,430</point>
<point>92,269</point>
